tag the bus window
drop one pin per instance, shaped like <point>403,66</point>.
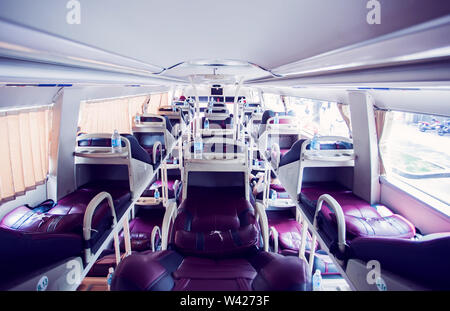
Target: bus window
<point>327,118</point>
<point>116,114</point>
<point>273,102</point>
<point>24,161</point>
<point>415,149</point>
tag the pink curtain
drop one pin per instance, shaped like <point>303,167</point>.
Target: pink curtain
<point>383,122</point>
<point>25,136</point>
<point>109,115</point>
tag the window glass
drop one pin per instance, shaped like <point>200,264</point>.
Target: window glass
<point>327,118</point>
<point>273,102</point>
<point>254,96</point>
<point>415,148</point>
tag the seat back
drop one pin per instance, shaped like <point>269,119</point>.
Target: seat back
<point>148,140</point>
<point>217,123</point>
<point>137,152</point>
<point>268,114</point>
<point>216,222</point>
<point>294,153</point>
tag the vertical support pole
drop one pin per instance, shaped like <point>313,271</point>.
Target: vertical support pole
<point>261,97</point>
<point>170,94</point>
<point>235,109</point>
<point>61,180</point>
<point>180,152</point>
<point>117,247</point>
<point>197,107</point>
<point>366,172</point>
<point>266,193</point>
<point>166,185</point>
<point>301,251</point>
<point>312,252</point>
<point>126,235</point>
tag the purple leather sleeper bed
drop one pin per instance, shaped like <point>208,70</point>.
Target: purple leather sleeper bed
<point>33,239</point>
<point>215,245</point>
<point>289,239</point>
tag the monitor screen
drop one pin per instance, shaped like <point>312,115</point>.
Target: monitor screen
<point>216,91</point>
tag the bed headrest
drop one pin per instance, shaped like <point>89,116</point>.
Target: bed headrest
<point>137,152</point>
<point>270,114</point>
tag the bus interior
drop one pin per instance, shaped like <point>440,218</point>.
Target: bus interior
<point>225,145</point>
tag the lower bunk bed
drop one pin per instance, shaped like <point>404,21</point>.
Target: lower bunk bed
<point>364,237</point>
<point>34,239</point>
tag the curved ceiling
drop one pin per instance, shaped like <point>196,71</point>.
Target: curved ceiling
<point>265,32</point>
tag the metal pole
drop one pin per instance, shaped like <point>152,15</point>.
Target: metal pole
<point>235,108</point>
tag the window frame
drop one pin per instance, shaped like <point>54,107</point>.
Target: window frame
<point>392,179</point>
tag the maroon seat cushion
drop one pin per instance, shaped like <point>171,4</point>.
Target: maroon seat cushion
<point>290,234</point>
<point>150,191</point>
<point>361,218</point>
<point>202,273</point>
<point>283,151</point>
<point>215,222</point>
<point>168,270</point>
<point>277,187</point>
<point>67,215</point>
<point>215,240</point>
<point>119,190</point>
<point>141,229</point>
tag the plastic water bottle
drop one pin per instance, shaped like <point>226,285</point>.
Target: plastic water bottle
<point>175,161</point>
<point>277,119</point>
<point>198,146</point>
<point>137,119</point>
<point>206,124</point>
<point>156,194</point>
<point>116,142</point>
<point>315,144</point>
<point>273,195</point>
<point>317,281</point>
<point>110,276</point>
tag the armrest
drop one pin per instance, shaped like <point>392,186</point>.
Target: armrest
<point>176,130</point>
<point>264,224</point>
<point>89,213</point>
<point>275,155</point>
<point>156,230</point>
<point>155,149</point>
<point>167,221</point>
<point>340,218</point>
<point>274,232</point>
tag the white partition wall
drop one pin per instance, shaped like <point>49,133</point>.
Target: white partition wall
<point>366,173</point>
